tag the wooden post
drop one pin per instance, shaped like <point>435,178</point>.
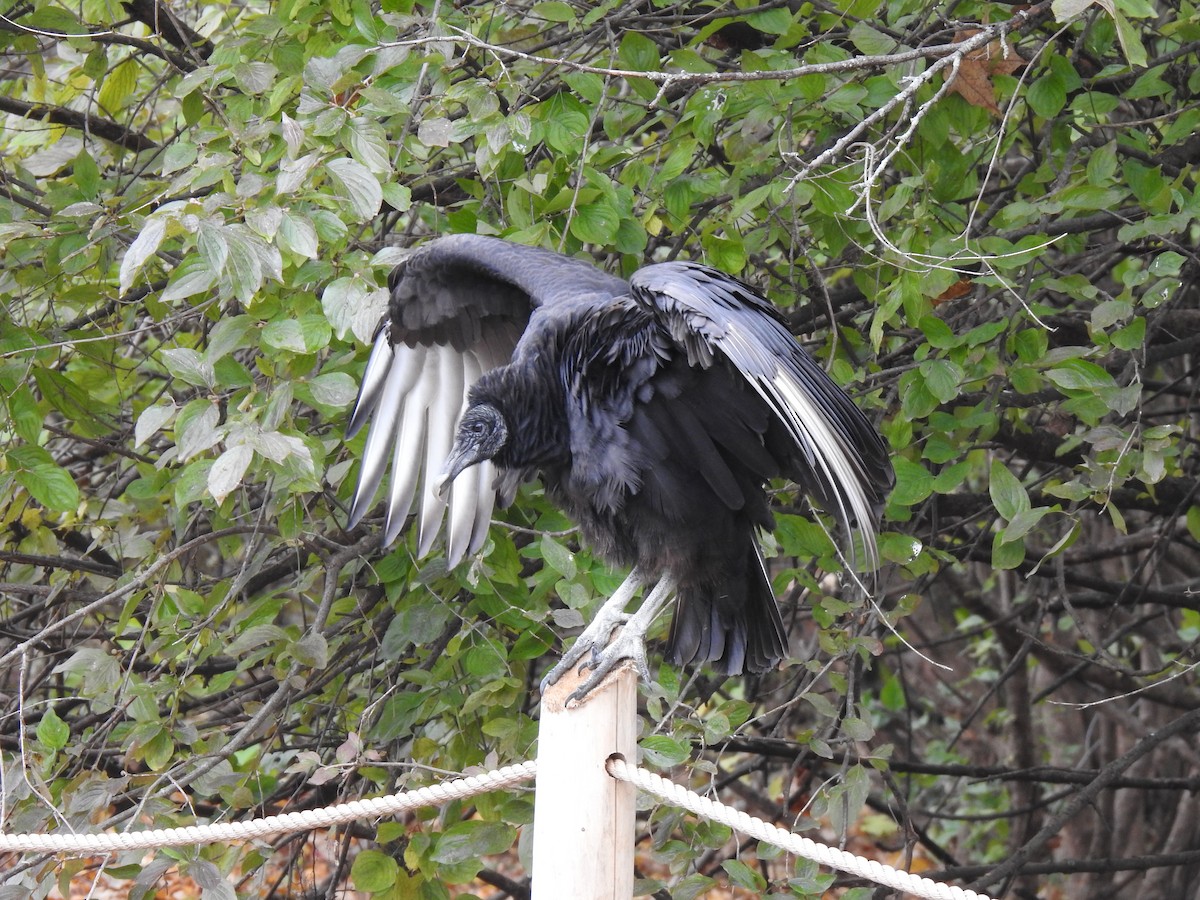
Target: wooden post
<point>583,818</point>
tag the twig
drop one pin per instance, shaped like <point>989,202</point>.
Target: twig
<point>1086,796</point>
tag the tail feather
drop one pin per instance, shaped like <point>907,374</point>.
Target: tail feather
<point>734,624</point>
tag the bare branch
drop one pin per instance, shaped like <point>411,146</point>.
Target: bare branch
<point>60,115</point>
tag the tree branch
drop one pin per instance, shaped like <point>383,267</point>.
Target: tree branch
<point>159,18</point>
<point>853,64</point>
<point>60,115</point>
<point>1085,797</point>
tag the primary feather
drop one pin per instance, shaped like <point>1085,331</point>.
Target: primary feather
<point>653,410</point>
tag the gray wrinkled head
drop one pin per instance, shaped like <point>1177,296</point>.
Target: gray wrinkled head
<point>482,434</point>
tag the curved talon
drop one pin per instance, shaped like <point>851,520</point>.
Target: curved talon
<point>593,639</point>
<point>611,616</point>
<point>624,646</point>
<point>608,650</point>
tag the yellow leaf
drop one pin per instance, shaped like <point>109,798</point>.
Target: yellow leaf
<point>118,86</point>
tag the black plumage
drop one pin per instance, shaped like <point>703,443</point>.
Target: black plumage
<point>654,411</point>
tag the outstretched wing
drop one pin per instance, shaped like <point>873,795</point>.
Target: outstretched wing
<point>841,457</point>
<point>458,306</point>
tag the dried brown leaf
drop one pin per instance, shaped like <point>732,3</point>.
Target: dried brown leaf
<point>974,79</point>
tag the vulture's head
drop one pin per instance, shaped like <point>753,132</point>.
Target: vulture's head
<point>482,434</point>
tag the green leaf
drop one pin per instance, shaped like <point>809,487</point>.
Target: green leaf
<point>189,365</point>
<point>1065,10</point>
<point>1193,522</point>
<point>24,414</point>
<point>351,305</point>
<point>228,470</point>
<point>285,334</point>
<point>942,378</point>
<point>1131,42</point>
<point>157,751</point>
<point>848,798</point>
<point>891,693</point>
<point>312,650</point>
<point>119,86</point>
<point>251,259</point>
<point>1007,554</point>
<point>193,276</point>
<point>336,389</point>
<point>638,52</point>
<point>52,731</point>
<point>470,840</point>
<point>899,548</point>
<point>596,223</point>
<point>297,235</point>
<point>692,887</point>
<point>914,482</point>
<point>1023,522</point>
<point>1047,96</point>
<point>398,197</point>
<point>1080,375</point>
<point>938,333</point>
<point>558,557</point>
<point>663,752</point>
<point>420,619</point>
<point>397,715</point>
<point>358,185</point>
<point>196,428</point>
<point>436,131</point>
<point>50,485</point>
<point>725,254</point>
<point>87,175</point>
<point>373,871</point>
<point>1007,493</point>
<point>152,420</point>
<point>53,19</point>
<point>179,155</point>
<point>870,40</point>
<point>254,76</point>
<point>1061,544</point>
<point>857,729</point>
<point>741,875</point>
<point>245,275</point>
<point>771,21</point>
<point>1030,344</point>
<point>231,333</point>
<point>144,246</point>
<point>553,11</point>
<point>368,144</point>
<point>798,536</point>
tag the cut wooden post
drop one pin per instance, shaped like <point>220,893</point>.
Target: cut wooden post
<point>583,818</point>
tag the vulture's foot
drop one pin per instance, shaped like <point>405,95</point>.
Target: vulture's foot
<point>593,638</point>
<point>607,650</point>
<point>629,643</point>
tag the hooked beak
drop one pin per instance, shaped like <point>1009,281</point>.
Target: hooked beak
<point>459,460</point>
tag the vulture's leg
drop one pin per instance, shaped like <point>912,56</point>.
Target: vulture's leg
<point>630,642</point>
<point>611,615</point>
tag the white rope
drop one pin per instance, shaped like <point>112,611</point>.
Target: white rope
<point>677,795</point>
<point>282,824</point>
<point>460,788</point>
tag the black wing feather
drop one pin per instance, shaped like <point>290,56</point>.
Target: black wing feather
<point>840,456</point>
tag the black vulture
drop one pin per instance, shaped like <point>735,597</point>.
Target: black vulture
<point>654,410</point>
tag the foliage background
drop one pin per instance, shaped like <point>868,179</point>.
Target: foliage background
<point>994,248</point>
